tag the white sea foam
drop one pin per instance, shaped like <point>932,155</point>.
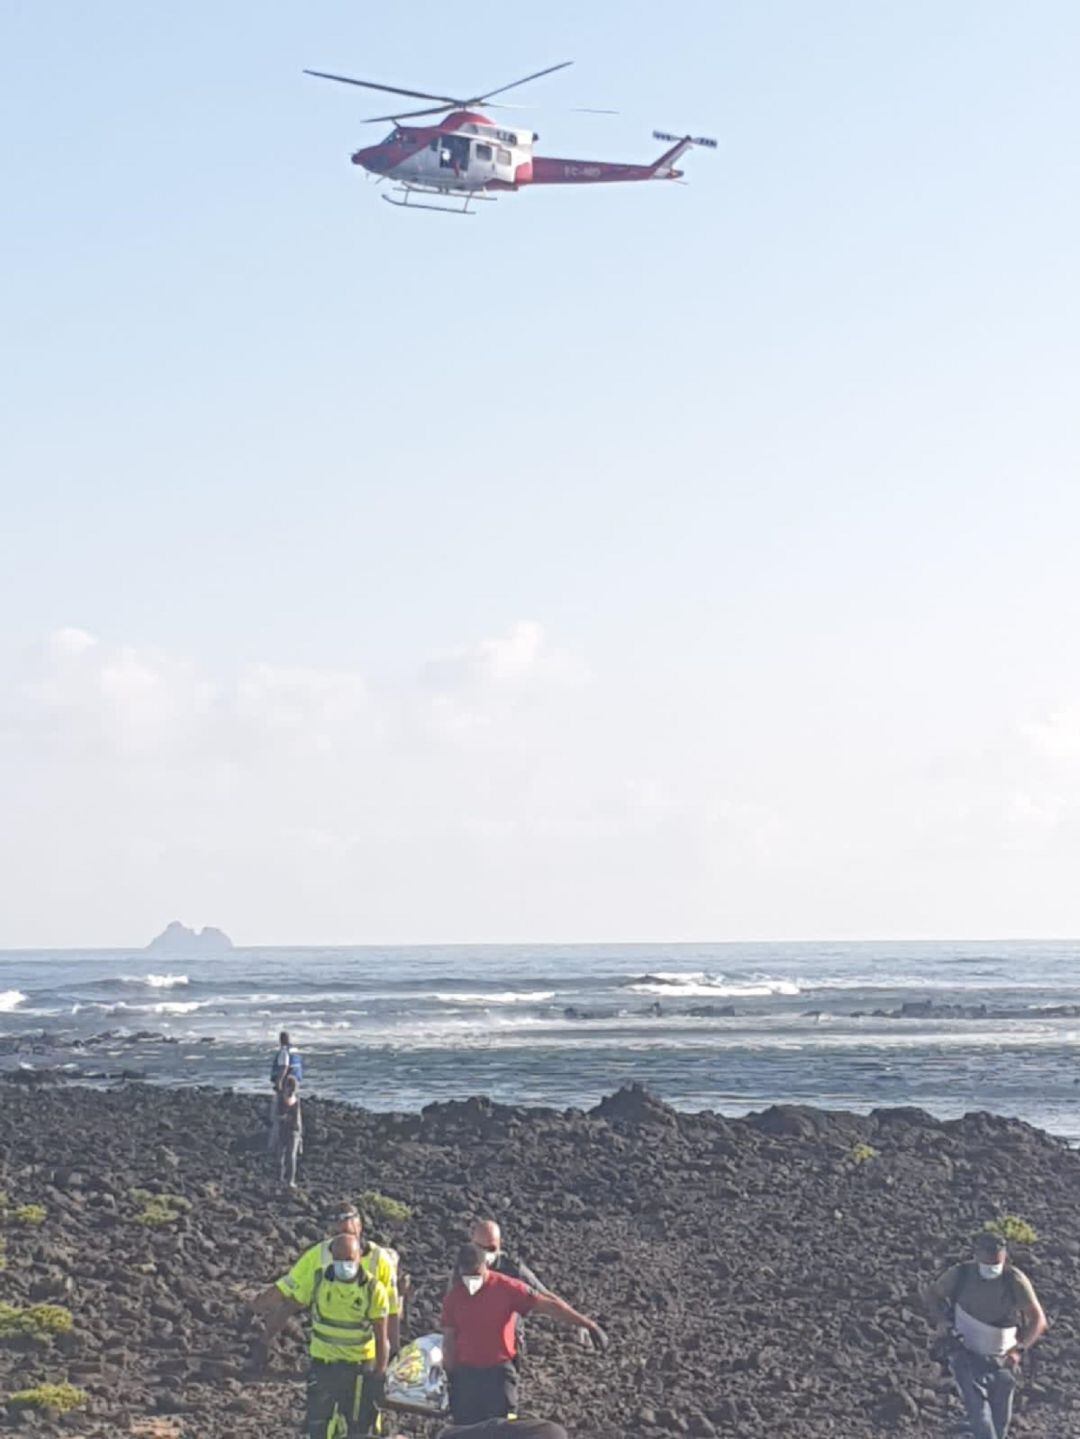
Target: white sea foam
<point>699,985</point>
<point>177,1006</point>
<point>506,996</point>
<point>157,981</point>
<point>10,999</point>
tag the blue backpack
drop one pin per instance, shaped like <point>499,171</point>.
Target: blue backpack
<point>295,1066</point>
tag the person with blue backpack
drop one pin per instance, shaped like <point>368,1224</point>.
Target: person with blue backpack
<point>286,1061</point>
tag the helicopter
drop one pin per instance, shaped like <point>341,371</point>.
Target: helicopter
<point>465,157</point>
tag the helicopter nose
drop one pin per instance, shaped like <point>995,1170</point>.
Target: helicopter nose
<point>372,158</point>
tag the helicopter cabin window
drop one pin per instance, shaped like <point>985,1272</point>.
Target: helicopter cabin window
<point>483,152</point>
<point>505,157</point>
<point>454,153</point>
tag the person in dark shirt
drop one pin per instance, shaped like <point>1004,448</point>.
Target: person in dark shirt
<point>289,1130</point>
<point>479,1325</point>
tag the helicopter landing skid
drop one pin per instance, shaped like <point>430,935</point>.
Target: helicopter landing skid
<point>408,203</point>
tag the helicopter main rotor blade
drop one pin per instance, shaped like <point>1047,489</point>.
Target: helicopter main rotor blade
<point>569,110</point>
<point>479,99</point>
<point>390,89</point>
<point>406,114</point>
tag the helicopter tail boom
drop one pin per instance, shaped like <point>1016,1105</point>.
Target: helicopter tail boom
<point>547,170</point>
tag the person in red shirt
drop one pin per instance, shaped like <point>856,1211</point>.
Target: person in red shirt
<point>479,1325</point>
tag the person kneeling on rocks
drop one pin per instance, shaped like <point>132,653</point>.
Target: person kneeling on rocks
<point>988,1318</point>
<point>479,1325</point>
<point>278,1302</point>
<point>348,1345</point>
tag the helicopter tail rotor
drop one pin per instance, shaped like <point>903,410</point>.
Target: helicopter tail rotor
<point>684,139</point>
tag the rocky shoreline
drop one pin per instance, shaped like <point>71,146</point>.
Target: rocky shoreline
<point>758,1276</point>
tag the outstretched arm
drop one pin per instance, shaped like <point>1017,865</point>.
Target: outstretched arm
<point>555,1308</point>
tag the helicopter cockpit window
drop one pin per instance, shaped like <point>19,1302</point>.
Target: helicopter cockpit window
<point>483,152</point>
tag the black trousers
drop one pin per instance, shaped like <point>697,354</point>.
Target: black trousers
<point>341,1387</point>
<point>478,1394</point>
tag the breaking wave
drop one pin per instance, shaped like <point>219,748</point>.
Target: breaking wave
<point>699,985</point>
<point>10,999</point>
<point>156,981</point>
<point>507,996</point>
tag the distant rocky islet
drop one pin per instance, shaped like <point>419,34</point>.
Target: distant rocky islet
<point>177,941</point>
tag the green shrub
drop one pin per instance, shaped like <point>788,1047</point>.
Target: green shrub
<point>1012,1228</point>
<point>159,1209</point>
<point>30,1215</point>
<point>381,1206</point>
<point>60,1397</point>
<point>39,1320</point>
<point>863,1153</point>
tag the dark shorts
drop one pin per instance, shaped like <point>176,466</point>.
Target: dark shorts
<point>478,1394</point>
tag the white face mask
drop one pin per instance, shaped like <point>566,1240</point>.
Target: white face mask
<point>491,1255</point>
<point>346,1269</point>
<point>991,1271</point>
<point>473,1282</point>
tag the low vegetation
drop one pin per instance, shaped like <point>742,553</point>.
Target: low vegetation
<point>37,1320</point>
<point>29,1216</point>
<point>60,1398</point>
<point>159,1209</point>
<point>863,1153</point>
<point>1012,1228</point>
<point>381,1207</point>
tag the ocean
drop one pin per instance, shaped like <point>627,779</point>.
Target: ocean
<point>729,1027</point>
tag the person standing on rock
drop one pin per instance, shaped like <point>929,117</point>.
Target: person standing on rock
<point>278,1302</point>
<point>286,1061</point>
<point>488,1235</point>
<point>348,1347</point>
<point>988,1317</point>
<point>289,1130</point>
<point>479,1326</point>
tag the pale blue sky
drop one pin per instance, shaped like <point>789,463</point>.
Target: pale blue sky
<point>643,563</point>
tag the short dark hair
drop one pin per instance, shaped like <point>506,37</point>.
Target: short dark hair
<point>987,1242</point>
<point>337,1213</point>
<point>470,1258</point>
<point>283,1037</point>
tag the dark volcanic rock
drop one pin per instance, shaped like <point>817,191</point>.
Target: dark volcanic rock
<point>633,1104</point>
<point>931,1009</point>
<point>755,1278</point>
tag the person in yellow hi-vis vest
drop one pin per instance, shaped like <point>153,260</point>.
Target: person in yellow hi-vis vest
<point>276,1304</point>
<point>348,1347</point>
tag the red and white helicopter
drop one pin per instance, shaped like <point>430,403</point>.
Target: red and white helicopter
<point>466,157</point>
